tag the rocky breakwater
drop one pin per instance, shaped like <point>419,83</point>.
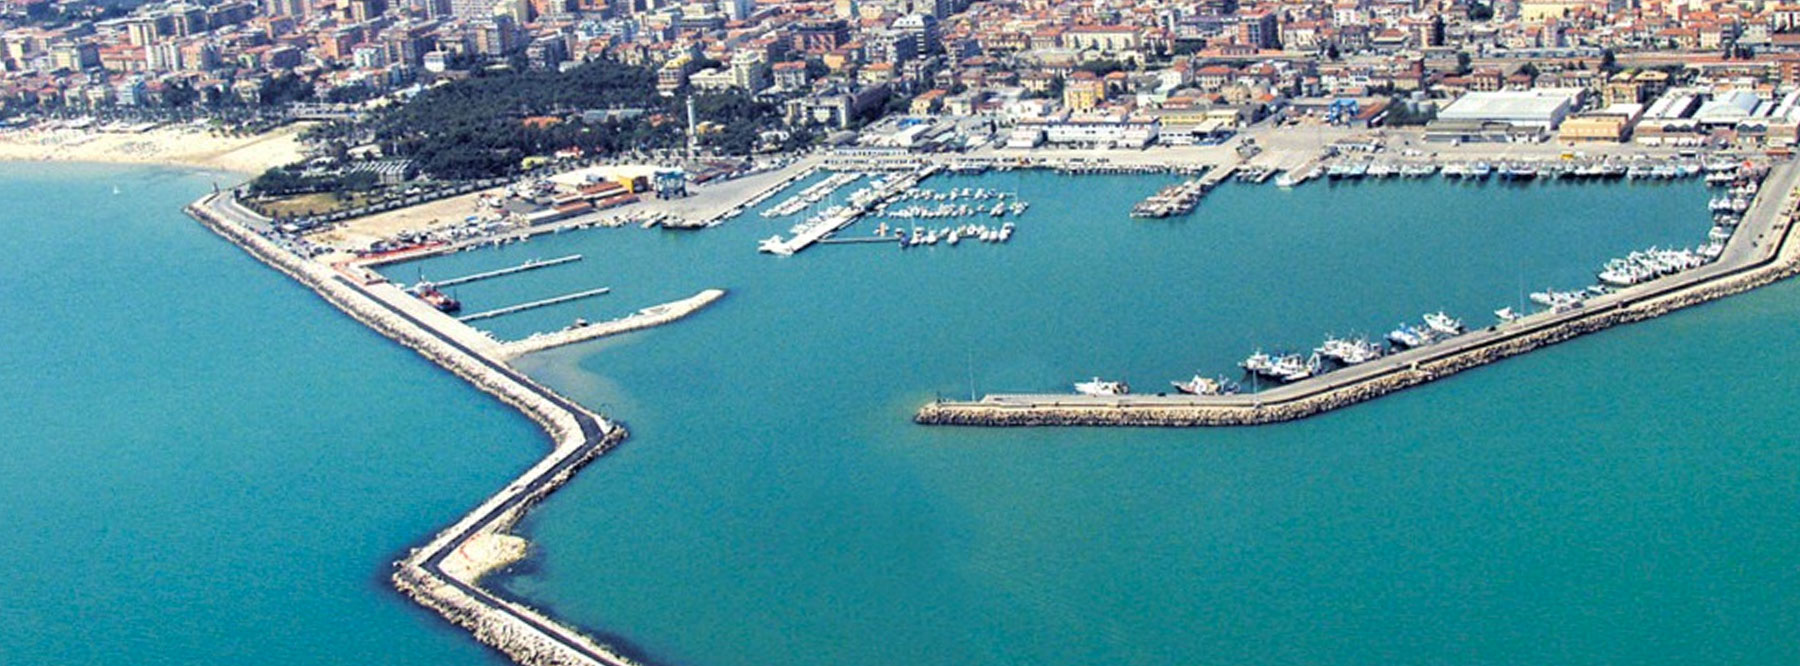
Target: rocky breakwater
<point>442,574</point>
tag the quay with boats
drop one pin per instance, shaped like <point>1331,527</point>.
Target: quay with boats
<point>1181,198</point>
<point>813,194</point>
<point>1437,327</point>
<point>1444,345</point>
<point>952,236</point>
<point>820,226</point>
<point>1177,199</point>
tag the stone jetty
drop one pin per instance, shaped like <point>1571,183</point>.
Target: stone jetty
<point>443,573</point>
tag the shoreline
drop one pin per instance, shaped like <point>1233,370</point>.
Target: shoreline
<point>165,146</point>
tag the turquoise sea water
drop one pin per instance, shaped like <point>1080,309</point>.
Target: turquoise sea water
<point>202,462</point>
<point>1627,498</point>
<point>206,464</point>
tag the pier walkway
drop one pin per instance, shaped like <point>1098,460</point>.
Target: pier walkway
<point>1759,253</point>
<point>533,305</point>
<point>534,264</point>
<point>655,315</point>
<point>819,230</point>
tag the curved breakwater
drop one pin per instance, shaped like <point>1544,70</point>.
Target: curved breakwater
<point>427,573</point>
<point>1778,260</point>
<point>652,316</point>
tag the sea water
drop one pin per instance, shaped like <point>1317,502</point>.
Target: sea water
<point>1623,498</point>
<point>202,462</point>
<point>207,464</point>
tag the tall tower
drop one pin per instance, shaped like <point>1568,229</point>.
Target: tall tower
<point>693,138</point>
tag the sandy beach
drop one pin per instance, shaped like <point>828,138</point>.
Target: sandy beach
<point>169,144</point>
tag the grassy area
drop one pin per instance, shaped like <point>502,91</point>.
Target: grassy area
<point>309,204</point>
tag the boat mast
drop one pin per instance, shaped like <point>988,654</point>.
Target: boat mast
<point>971,376</point>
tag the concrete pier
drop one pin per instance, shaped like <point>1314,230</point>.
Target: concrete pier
<point>1213,177</point>
<point>533,305</point>
<point>823,229</point>
<point>534,264</point>
<point>656,315</point>
<point>1760,253</point>
<point>889,240</point>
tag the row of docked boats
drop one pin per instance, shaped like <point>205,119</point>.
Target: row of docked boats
<point>1177,199</point>
<point>1594,170</point>
<point>1334,352</point>
<point>950,235</point>
<point>1196,385</point>
<point>825,223</point>
<point>1082,167</point>
<point>1728,203</point>
<point>813,194</point>
<point>947,210</point>
<point>1378,170</point>
<point>1438,327</point>
<point>955,194</point>
<point>1646,265</point>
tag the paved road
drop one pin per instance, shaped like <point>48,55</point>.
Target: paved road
<point>1752,246</point>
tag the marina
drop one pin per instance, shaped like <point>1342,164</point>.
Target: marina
<point>830,221</point>
<point>488,610</point>
<point>813,194</point>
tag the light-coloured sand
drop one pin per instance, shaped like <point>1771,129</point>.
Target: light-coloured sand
<point>183,145</point>
<point>429,215</point>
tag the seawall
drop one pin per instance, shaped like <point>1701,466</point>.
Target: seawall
<point>577,437</point>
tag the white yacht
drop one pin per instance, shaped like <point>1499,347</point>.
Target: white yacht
<point>773,245</point>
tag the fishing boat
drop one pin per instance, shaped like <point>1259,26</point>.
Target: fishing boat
<point>1101,387</point>
<point>429,293</point>
<point>1199,385</point>
<point>1405,335</point>
<point>1443,324</point>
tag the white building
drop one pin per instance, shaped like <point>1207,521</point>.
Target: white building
<point>1542,109</point>
<point>1730,108</point>
<point>1099,131</point>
